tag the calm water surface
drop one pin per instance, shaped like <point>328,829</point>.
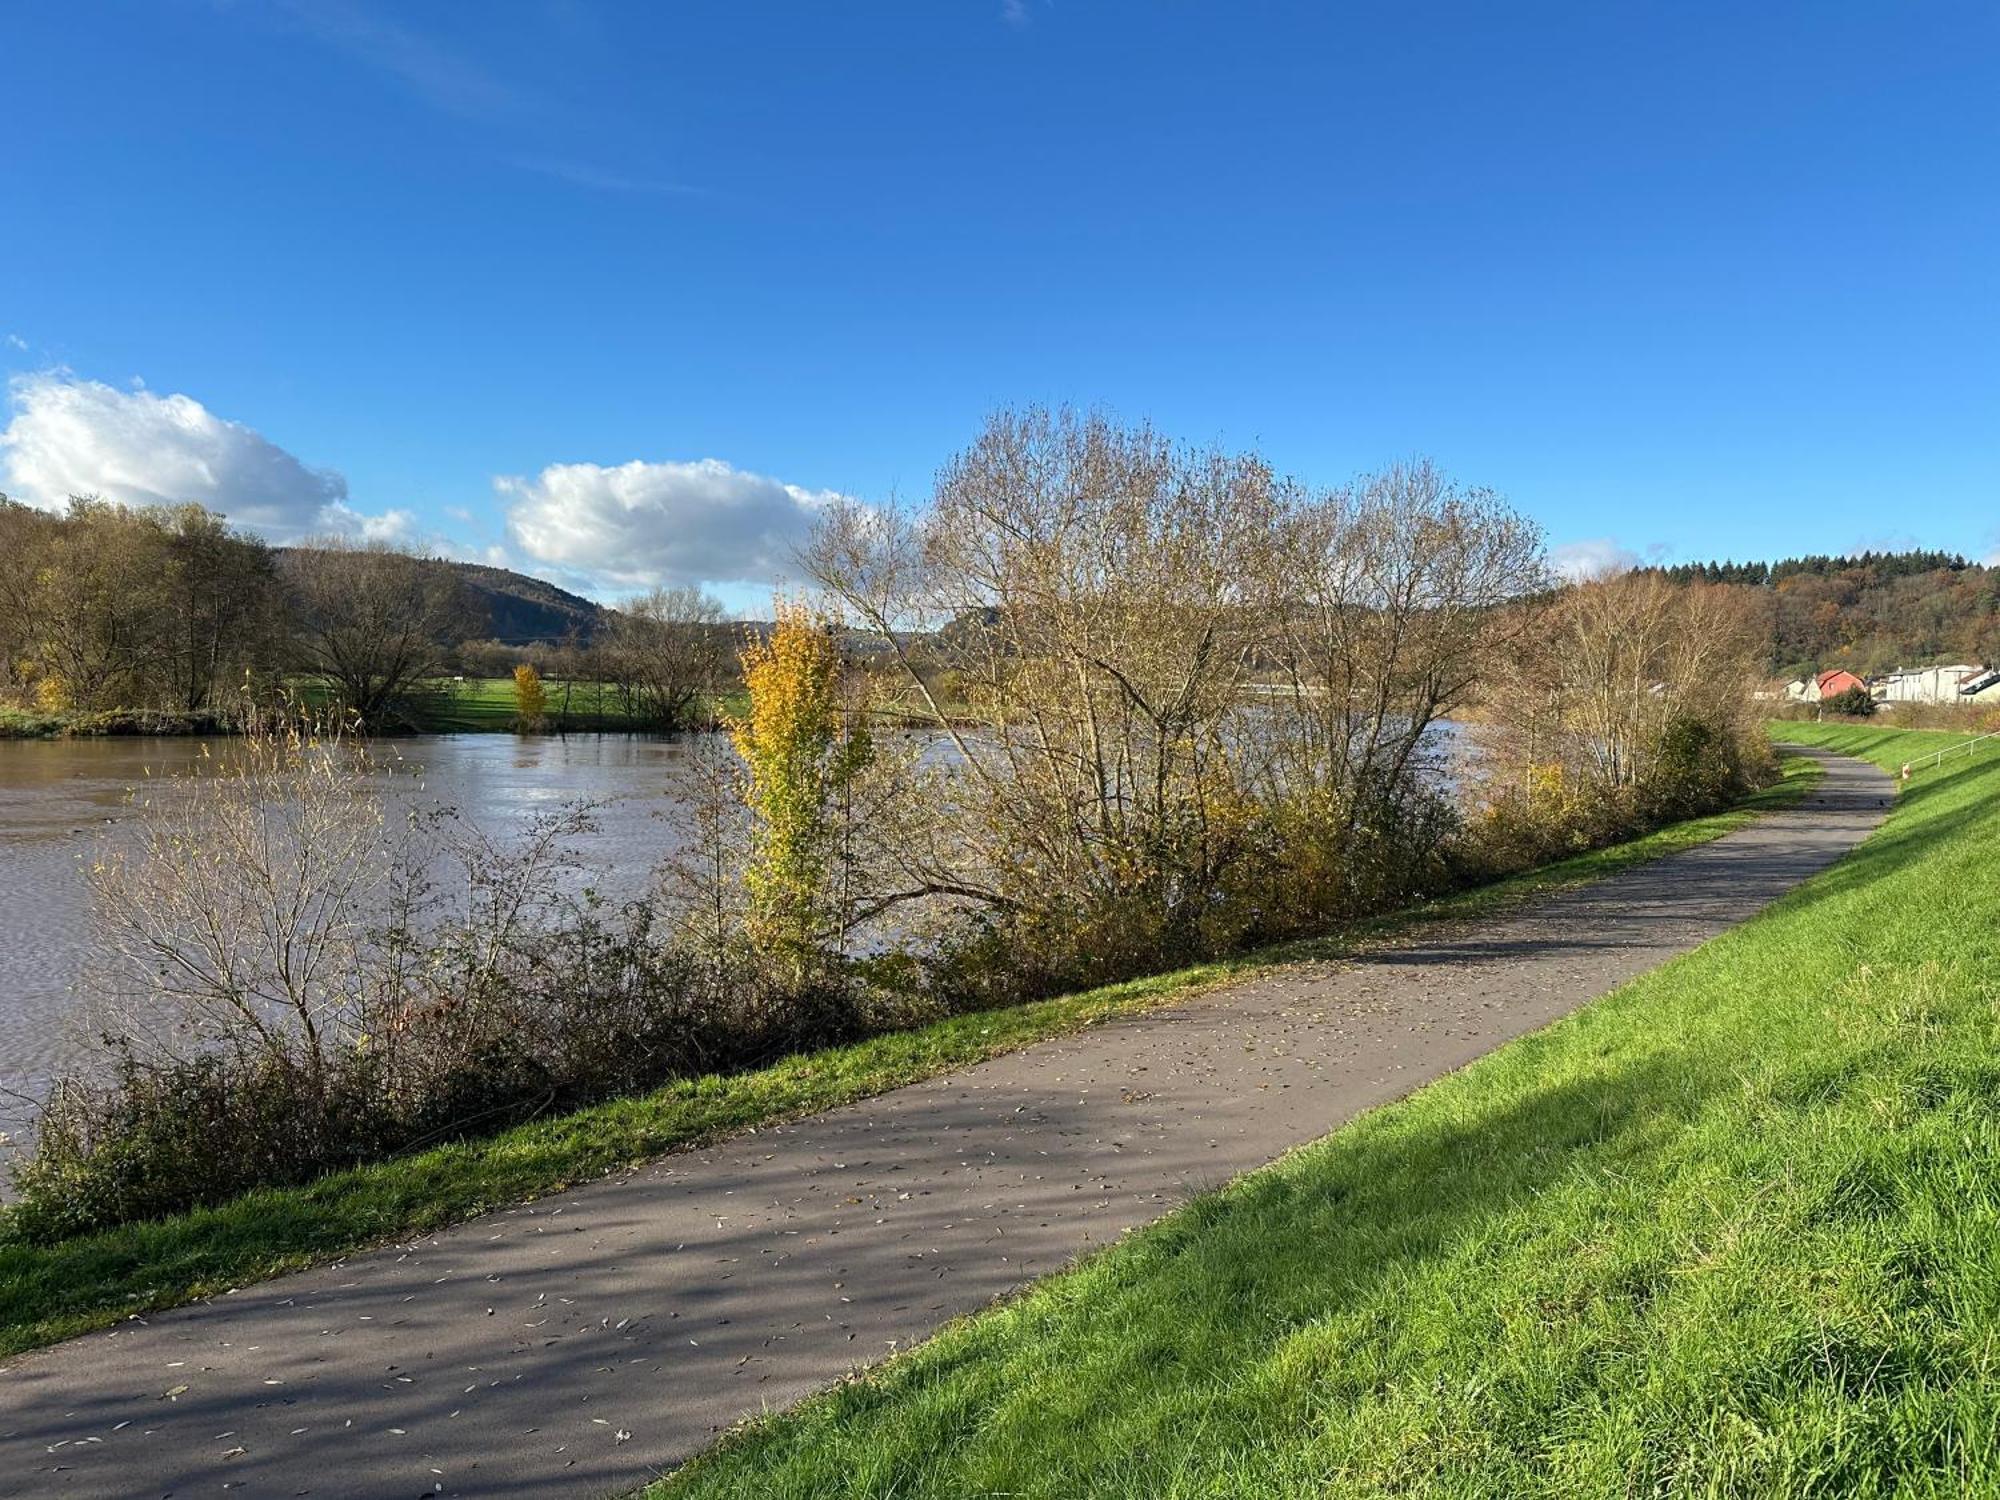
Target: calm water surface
<point>61,800</point>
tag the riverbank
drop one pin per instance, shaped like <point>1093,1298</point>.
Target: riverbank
<point>50,1292</point>
<point>474,706</point>
<point>1726,1232</point>
<point>147,723</point>
<point>479,705</point>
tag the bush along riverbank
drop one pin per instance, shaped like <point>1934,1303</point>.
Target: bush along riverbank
<point>1727,1232</point>
<point>30,724</point>
<point>52,1288</point>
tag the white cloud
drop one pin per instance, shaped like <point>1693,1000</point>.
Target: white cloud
<point>641,524</point>
<point>1596,557</point>
<point>396,527</point>
<point>15,341</point>
<point>82,437</point>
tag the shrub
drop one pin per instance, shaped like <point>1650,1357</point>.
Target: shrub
<point>1853,703</point>
<point>426,982</point>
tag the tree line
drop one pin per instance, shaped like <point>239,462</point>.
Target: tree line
<point>107,609</point>
<point>1868,612</point>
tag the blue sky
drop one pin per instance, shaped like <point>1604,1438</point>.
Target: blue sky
<point>1688,279</point>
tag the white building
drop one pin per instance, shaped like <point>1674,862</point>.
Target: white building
<point>1983,686</point>
<point>1953,684</point>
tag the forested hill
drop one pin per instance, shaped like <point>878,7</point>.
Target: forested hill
<point>519,609</point>
<point>515,608</point>
<point>1868,613</point>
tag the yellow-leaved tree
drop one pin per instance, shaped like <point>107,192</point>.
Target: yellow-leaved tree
<point>802,751</point>
<point>531,699</point>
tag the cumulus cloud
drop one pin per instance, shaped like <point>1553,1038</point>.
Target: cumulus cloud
<point>641,524</point>
<point>82,437</point>
<point>1596,557</point>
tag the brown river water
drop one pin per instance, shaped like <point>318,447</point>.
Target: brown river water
<point>62,800</point>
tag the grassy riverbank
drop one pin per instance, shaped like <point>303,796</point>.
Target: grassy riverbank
<point>53,1291</point>
<point>34,724</point>
<point>1730,1231</point>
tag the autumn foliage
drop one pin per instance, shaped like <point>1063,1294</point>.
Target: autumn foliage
<point>801,752</point>
<point>531,699</point>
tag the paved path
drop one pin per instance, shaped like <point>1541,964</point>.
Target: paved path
<point>584,1343</point>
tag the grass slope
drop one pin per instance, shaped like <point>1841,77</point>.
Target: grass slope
<point>1734,1230</point>
<point>49,1292</point>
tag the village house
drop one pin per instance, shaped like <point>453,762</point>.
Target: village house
<point>1828,684</point>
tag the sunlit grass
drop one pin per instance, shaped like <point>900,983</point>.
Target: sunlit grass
<point>1733,1230</point>
<point>51,1292</point>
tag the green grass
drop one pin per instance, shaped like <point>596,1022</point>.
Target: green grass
<point>486,705</point>
<point>1731,1231</point>
<point>49,1292</point>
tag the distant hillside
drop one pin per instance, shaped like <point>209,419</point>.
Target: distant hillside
<point>514,608</point>
<point>521,610</point>
<point>1869,613</point>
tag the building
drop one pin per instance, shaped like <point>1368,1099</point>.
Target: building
<point>1929,684</point>
<point>1983,686</point>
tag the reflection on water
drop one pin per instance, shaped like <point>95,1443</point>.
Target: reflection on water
<point>60,798</point>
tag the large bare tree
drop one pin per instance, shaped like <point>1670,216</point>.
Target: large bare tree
<point>664,652</point>
<point>1160,666</point>
<point>369,622</point>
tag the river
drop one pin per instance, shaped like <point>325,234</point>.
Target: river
<point>63,800</point>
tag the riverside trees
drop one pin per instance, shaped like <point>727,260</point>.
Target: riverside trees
<point>1189,700</point>
<point>664,653</point>
<point>107,607</point>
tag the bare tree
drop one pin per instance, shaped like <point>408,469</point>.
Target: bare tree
<point>371,623</point>
<point>221,603</point>
<point>664,652</point>
<point>1172,681</point>
<point>1603,687</point>
<point>1093,582</point>
<point>1384,603</point>
<point>240,916</point>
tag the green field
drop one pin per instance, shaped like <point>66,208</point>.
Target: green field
<point>49,1292</point>
<point>486,705</point>
<point>1734,1230</point>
